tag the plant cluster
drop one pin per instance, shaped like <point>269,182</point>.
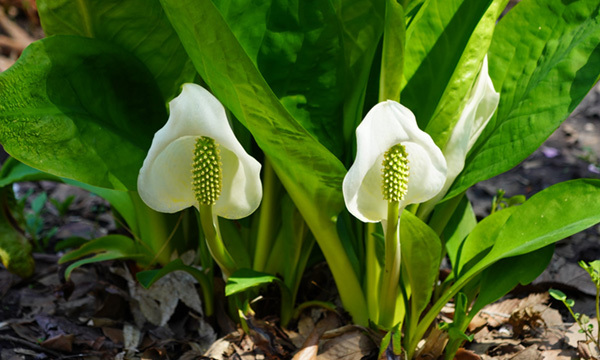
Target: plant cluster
<point>249,132</point>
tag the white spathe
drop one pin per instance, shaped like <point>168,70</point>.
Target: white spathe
<point>165,179</point>
<point>387,124</point>
<point>478,111</point>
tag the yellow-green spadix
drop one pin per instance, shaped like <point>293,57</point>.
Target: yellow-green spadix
<point>390,126</point>
<point>197,148</point>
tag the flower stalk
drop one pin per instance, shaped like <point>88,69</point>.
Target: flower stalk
<point>196,160</point>
<point>391,273</point>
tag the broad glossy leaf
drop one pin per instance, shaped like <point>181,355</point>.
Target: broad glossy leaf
<point>81,109</point>
<point>549,216</point>
<point>544,58</point>
<point>421,252</point>
<point>297,47</point>
<point>310,173</point>
<point>503,276</point>
<point>361,25</point>
<point>445,46</point>
<point>137,26</point>
<point>480,240</point>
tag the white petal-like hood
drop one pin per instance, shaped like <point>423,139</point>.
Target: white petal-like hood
<point>387,124</point>
<point>165,179</point>
<point>478,111</point>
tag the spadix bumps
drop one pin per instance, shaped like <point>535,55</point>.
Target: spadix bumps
<point>207,177</point>
<point>176,174</point>
<point>395,173</point>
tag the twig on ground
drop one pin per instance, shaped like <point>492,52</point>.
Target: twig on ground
<point>31,345</point>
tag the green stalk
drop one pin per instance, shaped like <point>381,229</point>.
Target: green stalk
<point>345,278</point>
<point>151,229</point>
<point>217,249</point>
<point>433,312</point>
<point>391,273</point>
<point>442,214</point>
<point>373,272</point>
<point>264,237</point>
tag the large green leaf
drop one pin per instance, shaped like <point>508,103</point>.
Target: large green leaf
<point>480,240</point>
<point>445,45</point>
<point>80,108</point>
<point>549,216</point>
<point>310,173</point>
<point>298,49</point>
<point>361,24</point>
<point>503,276</point>
<point>315,55</point>
<point>137,26</point>
<point>544,58</point>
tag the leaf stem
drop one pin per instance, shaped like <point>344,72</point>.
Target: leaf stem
<point>210,226</point>
<point>264,237</point>
<point>151,229</point>
<point>391,272</point>
<point>373,271</point>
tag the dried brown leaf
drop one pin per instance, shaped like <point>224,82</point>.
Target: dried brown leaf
<point>62,343</point>
<point>350,345</point>
<point>463,354</point>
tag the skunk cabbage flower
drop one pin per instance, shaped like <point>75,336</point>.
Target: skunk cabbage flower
<point>195,160</point>
<point>478,111</point>
<point>395,162</point>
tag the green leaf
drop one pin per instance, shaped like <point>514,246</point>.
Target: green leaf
<point>480,240</point>
<point>445,46</point>
<point>361,24</point>
<point>80,108</point>
<point>298,49</point>
<point>137,26</point>
<point>15,249</point>
<point>392,58</point>
<point>460,225</point>
<point>15,171</point>
<point>549,216</point>
<point>110,247</point>
<point>391,344</point>
<point>421,252</point>
<point>503,276</point>
<point>544,58</point>
<point>245,279</point>
<point>557,294</point>
<point>310,173</point>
